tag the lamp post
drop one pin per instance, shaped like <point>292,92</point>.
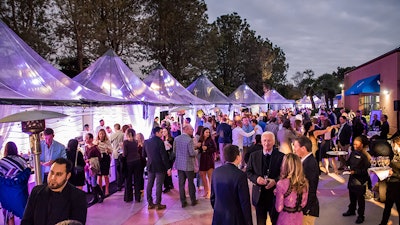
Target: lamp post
<point>33,123</point>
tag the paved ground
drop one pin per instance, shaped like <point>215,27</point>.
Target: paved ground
<point>332,194</point>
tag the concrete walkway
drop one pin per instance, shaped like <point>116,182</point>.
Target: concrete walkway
<point>332,194</point>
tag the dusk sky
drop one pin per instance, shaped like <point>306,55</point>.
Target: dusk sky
<point>320,35</point>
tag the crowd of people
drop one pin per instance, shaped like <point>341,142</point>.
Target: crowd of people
<point>281,153</point>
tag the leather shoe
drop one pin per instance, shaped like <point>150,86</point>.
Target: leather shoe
<point>151,206</point>
<point>360,219</point>
<point>349,213</point>
<point>166,190</point>
<point>161,206</point>
<point>195,202</point>
<point>184,204</point>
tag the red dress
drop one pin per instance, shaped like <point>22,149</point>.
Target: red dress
<point>207,157</point>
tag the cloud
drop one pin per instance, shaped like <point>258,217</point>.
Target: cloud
<point>320,35</point>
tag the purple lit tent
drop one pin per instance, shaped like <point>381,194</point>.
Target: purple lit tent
<point>27,78</point>
<point>203,88</point>
<point>163,83</point>
<point>27,81</point>
<point>246,96</point>
<point>277,101</point>
<point>111,76</point>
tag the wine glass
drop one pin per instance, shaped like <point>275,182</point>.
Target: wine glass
<point>373,161</point>
<point>387,161</point>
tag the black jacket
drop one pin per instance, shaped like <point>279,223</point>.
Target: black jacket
<point>157,156</point>
<point>311,171</point>
<point>46,207</point>
<point>255,170</point>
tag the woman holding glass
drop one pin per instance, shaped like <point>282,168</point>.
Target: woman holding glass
<point>207,149</point>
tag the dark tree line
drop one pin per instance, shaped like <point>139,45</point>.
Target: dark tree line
<point>177,34</point>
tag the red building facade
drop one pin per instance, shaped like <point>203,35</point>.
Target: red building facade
<point>375,85</point>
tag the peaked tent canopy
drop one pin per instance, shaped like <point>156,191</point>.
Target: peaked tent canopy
<point>245,95</point>
<point>111,76</point>
<point>273,97</point>
<point>163,83</point>
<point>203,88</point>
<point>306,102</point>
<point>26,78</point>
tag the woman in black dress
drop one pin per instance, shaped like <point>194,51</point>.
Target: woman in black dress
<point>207,164</point>
<point>76,157</point>
<point>134,164</point>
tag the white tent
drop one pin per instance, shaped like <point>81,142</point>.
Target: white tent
<point>277,101</point>
<point>305,102</point>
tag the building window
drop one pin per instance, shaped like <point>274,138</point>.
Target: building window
<point>367,103</point>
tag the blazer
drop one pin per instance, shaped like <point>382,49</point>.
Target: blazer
<point>230,197</point>
<point>255,170</point>
<point>184,153</point>
<point>46,207</point>
<point>157,156</point>
<point>311,171</point>
<point>345,135</point>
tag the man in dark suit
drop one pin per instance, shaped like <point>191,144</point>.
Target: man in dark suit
<point>384,128</point>
<point>57,200</point>
<point>303,148</point>
<point>263,170</point>
<point>157,166</point>
<point>344,136</point>
<point>375,122</point>
<point>224,132</point>
<point>230,197</point>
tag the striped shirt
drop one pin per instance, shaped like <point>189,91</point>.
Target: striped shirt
<point>11,165</point>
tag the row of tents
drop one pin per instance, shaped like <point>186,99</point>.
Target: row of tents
<point>26,78</point>
<point>106,89</point>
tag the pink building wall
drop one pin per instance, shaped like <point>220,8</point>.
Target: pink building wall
<point>388,66</point>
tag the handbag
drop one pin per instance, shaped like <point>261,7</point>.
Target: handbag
<point>94,166</point>
<point>77,169</point>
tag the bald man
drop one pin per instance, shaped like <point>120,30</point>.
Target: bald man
<point>184,162</point>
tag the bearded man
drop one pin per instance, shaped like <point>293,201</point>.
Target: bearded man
<point>57,200</point>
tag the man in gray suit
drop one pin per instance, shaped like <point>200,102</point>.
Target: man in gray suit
<point>157,165</point>
<point>184,163</point>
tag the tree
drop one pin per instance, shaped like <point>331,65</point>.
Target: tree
<point>29,20</point>
<point>171,33</point>
<point>328,85</point>
<point>304,81</point>
<point>339,74</point>
<point>88,28</point>
<point>242,56</point>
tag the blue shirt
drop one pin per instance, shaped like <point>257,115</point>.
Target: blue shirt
<point>56,150</point>
<point>247,141</point>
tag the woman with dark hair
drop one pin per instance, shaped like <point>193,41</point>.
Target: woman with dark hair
<point>92,158</point>
<point>76,157</point>
<point>285,137</point>
<point>168,142</point>
<point>11,165</point>
<point>133,163</point>
<point>207,164</point>
<point>140,140</point>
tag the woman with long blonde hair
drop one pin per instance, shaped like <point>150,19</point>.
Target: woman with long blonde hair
<point>291,191</point>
